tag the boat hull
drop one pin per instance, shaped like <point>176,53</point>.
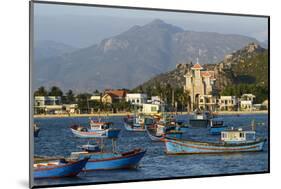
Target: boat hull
<point>36,132</point>
<point>192,147</point>
<point>110,133</point>
<point>120,162</point>
<point>67,170</point>
<point>198,122</point>
<point>160,138</point>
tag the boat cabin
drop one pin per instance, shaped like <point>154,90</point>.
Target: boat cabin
<point>217,122</point>
<point>101,126</point>
<point>234,136</point>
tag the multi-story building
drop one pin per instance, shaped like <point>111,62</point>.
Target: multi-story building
<point>199,85</point>
<point>246,102</point>
<point>136,98</point>
<point>228,103</point>
<point>111,96</point>
<point>47,104</point>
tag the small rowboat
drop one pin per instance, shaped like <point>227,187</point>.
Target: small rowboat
<point>58,169</point>
<point>231,142</point>
<point>83,132</point>
<point>110,160</point>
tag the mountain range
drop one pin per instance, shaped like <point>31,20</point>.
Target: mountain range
<point>130,58</point>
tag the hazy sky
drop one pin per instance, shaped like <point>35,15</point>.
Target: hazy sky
<point>82,26</point>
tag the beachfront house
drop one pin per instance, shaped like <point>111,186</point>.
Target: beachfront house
<point>111,96</point>
<point>47,104</point>
<point>228,103</point>
<point>136,98</point>
<point>246,102</point>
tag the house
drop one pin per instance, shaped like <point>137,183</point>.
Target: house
<point>136,98</point>
<point>47,104</point>
<point>155,100</point>
<point>111,96</point>
<point>151,108</point>
<point>246,102</point>
<point>228,103</point>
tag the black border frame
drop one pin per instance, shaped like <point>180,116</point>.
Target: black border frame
<point>31,16</point>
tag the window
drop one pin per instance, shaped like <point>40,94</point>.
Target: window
<point>153,109</point>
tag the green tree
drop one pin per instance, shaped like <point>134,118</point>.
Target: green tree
<point>41,91</point>
<point>55,91</point>
<point>70,97</point>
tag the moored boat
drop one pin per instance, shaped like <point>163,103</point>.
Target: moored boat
<point>137,123</point>
<point>111,160</point>
<point>84,132</point>
<point>231,141</point>
<point>158,132</point>
<point>59,168</point>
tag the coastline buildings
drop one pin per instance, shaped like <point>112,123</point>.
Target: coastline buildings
<point>228,103</point>
<point>136,98</point>
<point>199,85</point>
<point>52,105</point>
<point>246,102</point>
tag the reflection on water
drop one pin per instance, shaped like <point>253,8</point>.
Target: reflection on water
<point>56,139</point>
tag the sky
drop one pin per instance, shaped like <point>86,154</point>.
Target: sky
<point>82,26</point>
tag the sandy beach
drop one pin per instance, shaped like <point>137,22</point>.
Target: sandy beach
<point>130,113</point>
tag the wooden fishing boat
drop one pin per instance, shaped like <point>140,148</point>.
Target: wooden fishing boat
<point>137,123</point>
<point>59,168</point>
<point>158,132</point>
<point>110,160</point>
<point>182,126</point>
<point>231,142</point>
<point>216,126</point>
<point>84,132</point>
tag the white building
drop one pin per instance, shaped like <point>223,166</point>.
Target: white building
<point>47,104</point>
<point>151,108</point>
<point>136,98</point>
<point>246,102</point>
<point>228,103</point>
<point>95,98</point>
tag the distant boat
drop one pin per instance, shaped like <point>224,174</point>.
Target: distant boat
<point>182,126</point>
<point>59,168</point>
<point>36,130</point>
<point>231,141</point>
<point>216,126</point>
<point>84,132</point>
<point>200,119</point>
<point>137,123</point>
<point>161,131</point>
<point>110,160</point>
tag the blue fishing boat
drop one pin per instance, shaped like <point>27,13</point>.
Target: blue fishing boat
<point>217,126</point>
<point>182,126</point>
<point>84,132</point>
<point>231,141</point>
<point>59,168</point>
<point>110,160</point>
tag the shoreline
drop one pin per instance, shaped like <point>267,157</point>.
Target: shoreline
<point>130,113</point>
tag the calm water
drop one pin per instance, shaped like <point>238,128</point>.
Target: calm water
<point>56,139</point>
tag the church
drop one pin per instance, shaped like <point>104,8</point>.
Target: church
<point>200,88</point>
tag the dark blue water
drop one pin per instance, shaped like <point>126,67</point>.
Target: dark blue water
<point>56,139</point>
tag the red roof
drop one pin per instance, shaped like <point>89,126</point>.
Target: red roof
<point>117,93</point>
<point>208,74</point>
<point>197,66</point>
